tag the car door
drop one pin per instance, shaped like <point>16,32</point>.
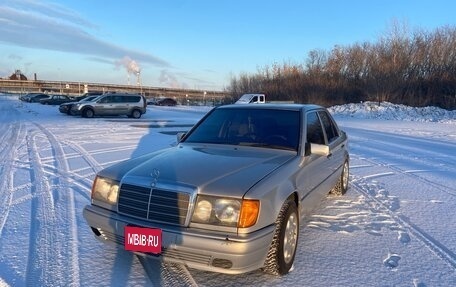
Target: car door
<point>104,106</point>
<point>315,169</point>
<point>333,139</point>
<point>120,106</point>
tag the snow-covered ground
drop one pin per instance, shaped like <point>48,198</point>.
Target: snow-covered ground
<point>395,226</point>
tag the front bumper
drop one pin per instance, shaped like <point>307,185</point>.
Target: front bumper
<point>197,249</point>
<point>75,112</point>
<point>64,109</point>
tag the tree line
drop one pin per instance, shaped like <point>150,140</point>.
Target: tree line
<point>413,68</point>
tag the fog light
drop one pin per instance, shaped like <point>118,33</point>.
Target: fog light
<point>222,263</point>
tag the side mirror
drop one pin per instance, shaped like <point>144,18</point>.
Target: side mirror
<point>180,136</point>
<point>319,149</point>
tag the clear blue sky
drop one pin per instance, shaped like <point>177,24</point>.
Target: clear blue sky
<point>190,44</point>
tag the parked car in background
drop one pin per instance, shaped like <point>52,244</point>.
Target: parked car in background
<point>230,196</point>
<point>112,104</point>
<point>56,100</point>
<point>32,97</point>
<point>26,97</point>
<point>35,98</point>
<point>166,102</point>
<point>23,97</point>
<point>252,99</point>
<point>88,94</point>
<point>66,107</point>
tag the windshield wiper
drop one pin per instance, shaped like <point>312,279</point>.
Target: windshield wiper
<point>266,145</point>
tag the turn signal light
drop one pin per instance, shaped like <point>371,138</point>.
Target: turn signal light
<point>249,213</point>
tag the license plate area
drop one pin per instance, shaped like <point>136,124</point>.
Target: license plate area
<point>142,239</point>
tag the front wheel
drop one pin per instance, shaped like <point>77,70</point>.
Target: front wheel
<point>282,252</point>
<point>88,113</point>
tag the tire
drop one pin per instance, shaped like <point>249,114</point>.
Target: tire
<point>88,113</point>
<point>282,252</point>
<point>341,186</point>
<point>136,114</point>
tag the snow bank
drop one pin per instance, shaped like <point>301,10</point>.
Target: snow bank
<point>389,111</point>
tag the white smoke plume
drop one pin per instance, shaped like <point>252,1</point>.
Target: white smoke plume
<point>130,65</point>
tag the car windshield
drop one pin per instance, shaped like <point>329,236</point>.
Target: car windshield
<point>267,128</point>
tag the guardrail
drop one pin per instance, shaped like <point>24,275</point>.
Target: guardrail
<point>78,88</point>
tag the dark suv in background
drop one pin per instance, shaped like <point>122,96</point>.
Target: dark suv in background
<point>56,100</point>
<point>112,104</point>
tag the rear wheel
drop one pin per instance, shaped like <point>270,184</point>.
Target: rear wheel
<point>136,114</point>
<point>341,186</point>
<point>285,241</point>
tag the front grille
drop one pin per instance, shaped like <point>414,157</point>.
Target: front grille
<point>154,204</point>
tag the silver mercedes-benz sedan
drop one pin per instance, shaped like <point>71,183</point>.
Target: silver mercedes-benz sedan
<point>230,195</point>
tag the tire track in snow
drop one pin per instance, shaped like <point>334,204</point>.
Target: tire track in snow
<point>171,274</point>
<point>94,165</point>
<point>446,162</point>
<point>38,269</point>
<point>53,246</point>
<point>439,249</point>
<point>411,173</point>
<point>8,154</point>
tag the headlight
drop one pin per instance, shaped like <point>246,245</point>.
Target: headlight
<point>225,211</point>
<point>105,189</point>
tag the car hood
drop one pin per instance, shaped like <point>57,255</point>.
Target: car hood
<point>69,103</point>
<point>209,169</point>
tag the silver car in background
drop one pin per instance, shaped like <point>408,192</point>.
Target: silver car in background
<point>112,104</point>
<point>229,197</point>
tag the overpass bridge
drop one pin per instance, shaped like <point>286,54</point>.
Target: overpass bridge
<point>184,96</point>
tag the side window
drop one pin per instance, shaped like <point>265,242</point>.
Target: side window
<point>330,128</point>
<point>314,130</point>
<point>130,99</point>
<point>104,100</point>
<point>254,99</point>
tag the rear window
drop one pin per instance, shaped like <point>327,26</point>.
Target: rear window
<point>131,99</point>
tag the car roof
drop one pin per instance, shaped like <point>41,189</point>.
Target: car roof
<point>119,94</point>
<point>272,106</point>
